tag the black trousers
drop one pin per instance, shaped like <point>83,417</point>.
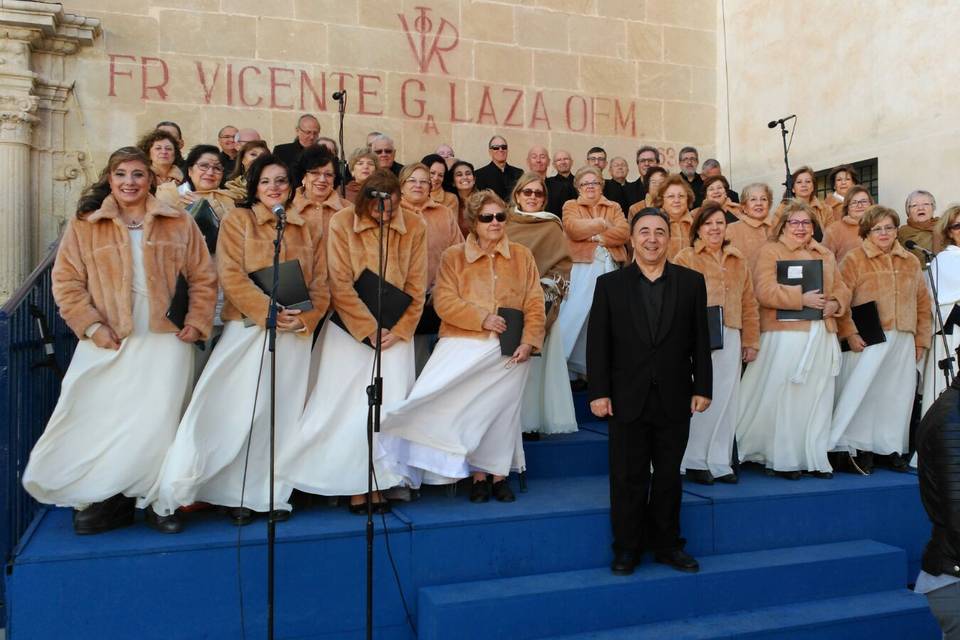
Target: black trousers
<point>645,507</point>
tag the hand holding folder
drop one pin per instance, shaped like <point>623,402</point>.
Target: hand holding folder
<point>867,319</point>
<point>292,290</point>
<point>394,301</point>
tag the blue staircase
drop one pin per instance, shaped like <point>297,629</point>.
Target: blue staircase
<point>808,559</point>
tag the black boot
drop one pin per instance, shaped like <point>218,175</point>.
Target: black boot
<point>164,524</point>
<point>99,517</point>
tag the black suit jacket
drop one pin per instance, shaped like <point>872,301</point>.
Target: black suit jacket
<point>635,192</point>
<point>623,363</point>
<point>559,190</point>
<point>613,192</point>
<point>501,182</point>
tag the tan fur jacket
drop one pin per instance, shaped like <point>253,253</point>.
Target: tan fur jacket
<point>749,235</point>
<point>245,244</point>
<point>895,282</point>
<point>679,234</point>
<point>729,285</point>
<point>318,214</point>
<point>352,246</point>
<point>773,296</point>
<point>472,284</point>
<point>93,271</point>
<point>604,220</point>
<point>442,232</point>
<point>842,237</point>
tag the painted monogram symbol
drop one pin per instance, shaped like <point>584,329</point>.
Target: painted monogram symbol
<point>425,43</point>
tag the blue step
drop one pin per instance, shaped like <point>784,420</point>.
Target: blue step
<point>887,615</point>
<point>583,453</point>
<point>575,601</point>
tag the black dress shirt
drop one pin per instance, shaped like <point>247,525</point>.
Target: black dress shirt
<point>651,294</point>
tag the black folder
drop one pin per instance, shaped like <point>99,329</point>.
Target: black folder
<point>395,300</point>
<point>292,292</point>
<point>951,321</point>
<point>715,323</point>
<point>809,275</point>
<point>867,318</point>
<point>510,339</point>
<point>180,303</point>
<point>207,220</point>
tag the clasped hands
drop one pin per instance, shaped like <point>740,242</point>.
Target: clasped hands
<point>816,300</point>
<point>498,325</point>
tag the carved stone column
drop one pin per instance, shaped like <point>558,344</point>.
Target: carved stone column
<point>35,40</point>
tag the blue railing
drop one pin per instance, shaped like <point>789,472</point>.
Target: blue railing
<point>35,348</point>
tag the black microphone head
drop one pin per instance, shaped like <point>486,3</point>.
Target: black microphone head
<point>910,244</point>
<point>339,94</point>
<point>771,124</point>
<point>278,210</point>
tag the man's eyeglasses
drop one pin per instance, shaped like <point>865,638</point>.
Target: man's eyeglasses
<point>498,147</point>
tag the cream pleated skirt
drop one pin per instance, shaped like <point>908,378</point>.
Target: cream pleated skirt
<point>463,415</point>
<point>710,445</point>
<point>786,400</point>
<point>575,311</point>
<point>327,451</point>
<point>547,402</point>
<point>210,460</point>
<point>875,399</point>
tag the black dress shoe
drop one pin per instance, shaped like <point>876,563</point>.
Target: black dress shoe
<point>241,516</point>
<point>789,475</point>
<point>679,560</point>
<point>864,460</point>
<point>502,491</point>
<point>624,562</point>
<point>480,492</point>
<point>898,463</point>
<point>822,475</point>
<point>280,515</point>
<point>164,524</point>
<point>99,517</point>
<point>700,476</point>
<point>730,478</point>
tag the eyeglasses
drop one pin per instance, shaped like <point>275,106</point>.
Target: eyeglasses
<point>414,181</point>
<point>487,218</point>
<point>498,147</point>
<point>799,223</point>
<point>327,175</point>
<point>954,227</point>
<point>590,184</point>
<point>859,203</point>
<point>886,229</point>
<point>532,193</point>
<point>596,158</point>
<point>227,137</point>
<point>203,167</point>
<point>383,152</point>
<point>917,205</point>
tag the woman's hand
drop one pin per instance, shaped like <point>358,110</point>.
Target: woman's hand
<point>921,351</point>
<point>814,299</point>
<point>831,309</point>
<point>494,323</point>
<point>105,338</point>
<point>522,354</point>
<point>748,354</point>
<point>856,343</point>
<point>188,334</point>
<point>188,198</point>
<point>387,339</point>
<point>287,320</point>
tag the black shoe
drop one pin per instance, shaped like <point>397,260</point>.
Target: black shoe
<point>164,524</point>
<point>864,460</point>
<point>679,560</point>
<point>730,478</point>
<point>480,492</point>
<point>358,508</point>
<point>624,562</point>
<point>241,516</point>
<point>502,491</point>
<point>533,436</point>
<point>280,515</point>
<point>381,507</point>
<point>700,476</point>
<point>898,463</point>
<point>99,517</point>
<point>789,475</point>
<point>822,475</point>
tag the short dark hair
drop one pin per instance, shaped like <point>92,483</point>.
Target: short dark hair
<point>647,147</point>
<point>150,138</point>
<point>688,150</point>
<point>432,158</point>
<point>648,211</point>
<point>253,178</point>
<point>171,123</point>
<point>315,157</point>
<point>194,156</point>
<point>380,180</point>
<point>709,181</point>
<point>843,168</point>
<point>597,150</point>
<point>707,209</point>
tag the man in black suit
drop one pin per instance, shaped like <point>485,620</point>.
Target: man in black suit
<point>689,159</point>
<point>711,167</point>
<point>647,157</point>
<point>649,369</point>
<point>308,130</point>
<point>498,175</point>
<point>558,191</point>
<point>612,191</point>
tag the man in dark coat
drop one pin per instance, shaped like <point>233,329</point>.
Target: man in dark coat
<point>647,157</point>
<point>558,191</point>
<point>308,130</point>
<point>612,191</point>
<point>689,161</point>
<point>938,455</point>
<point>649,370</point>
<point>498,175</point>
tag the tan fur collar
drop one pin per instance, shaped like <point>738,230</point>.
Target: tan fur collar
<point>473,252</point>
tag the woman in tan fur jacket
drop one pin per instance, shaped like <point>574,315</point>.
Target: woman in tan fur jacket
<point>221,453</point>
<point>463,415</point>
<point>114,277</point>
<point>786,395</point>
<point>877,382</point>
<point>328,452</point>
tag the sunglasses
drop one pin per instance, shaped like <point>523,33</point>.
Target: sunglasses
<point>532,193</point>
<point>954,227</point>
<point>498,147</point>
<point>487,218</point>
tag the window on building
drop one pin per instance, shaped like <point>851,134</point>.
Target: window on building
<point>867,172</point>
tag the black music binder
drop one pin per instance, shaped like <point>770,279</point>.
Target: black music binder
<point>510,339</point>
<point>395,300</point>
<point>867,319</point>
<point>207,220</point>
<point>179,303</point>
<point>715,323</point>
<point>809,275</point>
<point>292,292</point>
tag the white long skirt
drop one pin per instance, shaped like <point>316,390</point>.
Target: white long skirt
<point>710,445</point>
<point>207,461</point>
<point>327,451</point>
<point>463,415</point>
<point>934,381</point>
<point>875,400</point>
<point>786,400</point>
<point>547,402</point>
<point>575,311</point>
<point>116,417</point>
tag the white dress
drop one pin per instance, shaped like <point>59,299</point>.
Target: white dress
<point>575,310</point>
<point>710,445</point>
<point>547,402</point>
<point>875,397</point>
<point>209,460</point>
<point>463,415</point>
<point>326,453</point>
<point>945,270</point>
<point>786,400</point>
<point>117,413</point>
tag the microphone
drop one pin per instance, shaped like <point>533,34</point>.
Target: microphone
<point>379,195</point>
<point>340,95</point>
<point>279,211</point>
<point>774,123</point>
<point>913,246</point>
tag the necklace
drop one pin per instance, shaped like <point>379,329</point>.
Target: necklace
<point>135,225</point>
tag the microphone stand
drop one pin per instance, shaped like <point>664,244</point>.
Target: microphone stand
<point>272,342</point>
<point>374,403</point>
<point>341,110</point>
<point>946,365</point>
<point>788,183</point>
